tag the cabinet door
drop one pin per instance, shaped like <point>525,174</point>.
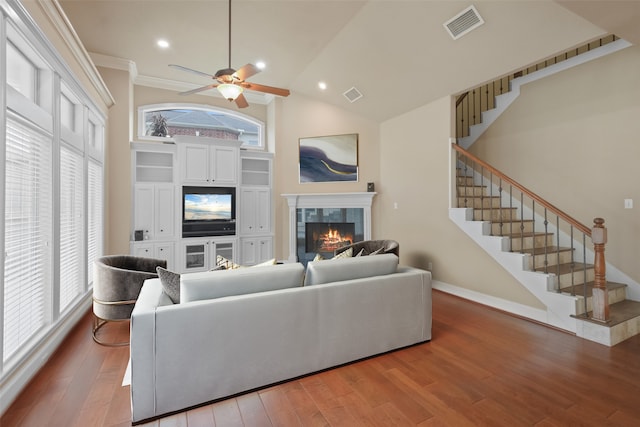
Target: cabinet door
<point>195,163</point>
<point>164,211</point>
<point>165,251</point>
<point>143,250</point>
<point>265,249</point>
<point>195,256</point>
<point>224,163</point>
<point>263,211</point>
<point>143,210</point>
<point>250,254</point>
<point>248,208</point>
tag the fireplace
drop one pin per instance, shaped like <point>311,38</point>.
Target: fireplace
<point>329,209</point>
<point>326,237</point>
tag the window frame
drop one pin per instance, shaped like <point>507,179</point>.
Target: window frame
<point>144,109</point>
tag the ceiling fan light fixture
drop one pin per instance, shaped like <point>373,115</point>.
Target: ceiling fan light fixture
<point>230,91</point>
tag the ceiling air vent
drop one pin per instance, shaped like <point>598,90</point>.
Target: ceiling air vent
<point>352,94</point>
<point>463,22</point>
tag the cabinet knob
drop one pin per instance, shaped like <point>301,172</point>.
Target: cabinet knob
<point>161,230</point>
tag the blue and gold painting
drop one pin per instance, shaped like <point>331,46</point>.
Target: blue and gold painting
<point>329,158</point>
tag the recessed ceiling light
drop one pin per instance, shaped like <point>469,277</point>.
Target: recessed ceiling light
<point>162,44</point>
<point>261,65</point>
<point>322,85</point>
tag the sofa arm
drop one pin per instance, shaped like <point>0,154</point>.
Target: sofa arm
<point>142,347</point>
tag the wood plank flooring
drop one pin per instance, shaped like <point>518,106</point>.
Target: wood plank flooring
<point>483,367</point>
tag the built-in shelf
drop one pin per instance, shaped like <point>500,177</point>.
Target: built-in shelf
<point>256,171</point>
<point>153,166</point>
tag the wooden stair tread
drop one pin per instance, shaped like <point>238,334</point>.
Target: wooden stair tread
<point>619,312</point>
<point>566,268</point>
<point>579,288</point>
<point>541,250</point>
<point>494,208</point>
<point>518,235</point>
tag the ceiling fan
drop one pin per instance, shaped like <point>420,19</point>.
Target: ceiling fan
<point>231,83</point>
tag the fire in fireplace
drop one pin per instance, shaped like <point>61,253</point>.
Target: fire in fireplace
<point>328,236</point>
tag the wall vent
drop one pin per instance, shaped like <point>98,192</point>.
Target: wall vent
<point>463,22</point>
<point>352,94</point>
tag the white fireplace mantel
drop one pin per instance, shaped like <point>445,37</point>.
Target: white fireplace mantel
<point>362,200</point>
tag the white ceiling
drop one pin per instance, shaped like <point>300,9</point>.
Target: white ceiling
<point>397,53</point>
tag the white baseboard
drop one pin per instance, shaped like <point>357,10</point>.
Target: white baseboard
<point>537,314</point>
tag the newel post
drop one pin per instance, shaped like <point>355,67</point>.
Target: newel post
<point>600,299</point>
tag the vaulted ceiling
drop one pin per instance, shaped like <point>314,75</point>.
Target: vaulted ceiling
<point>396,52</point>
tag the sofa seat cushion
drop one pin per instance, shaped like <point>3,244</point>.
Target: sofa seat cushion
<point>218,284</point>
<point>319,272</point>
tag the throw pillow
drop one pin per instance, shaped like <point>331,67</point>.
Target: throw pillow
<point>227,263</point>
<point>170,283</point>
<point>346,254</point>
<point>218,268</point>
<point>272,261</point>
<point>318,257</point>
<point>361,253</point>
<point>377,251</point>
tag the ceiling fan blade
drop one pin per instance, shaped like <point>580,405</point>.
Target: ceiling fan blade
<point>266,89</point>
<point>241,101</point>
<point>190,70</point>
<point>199,89</point>
<point>246,71</point>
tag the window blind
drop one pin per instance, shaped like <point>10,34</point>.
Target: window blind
<point>71,226</point>
<point>28,213</point>
<point>94,220</point>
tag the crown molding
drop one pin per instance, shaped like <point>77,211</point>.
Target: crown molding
<point>61,23</point>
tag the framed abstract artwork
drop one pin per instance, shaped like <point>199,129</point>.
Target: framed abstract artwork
<point>329,158</point>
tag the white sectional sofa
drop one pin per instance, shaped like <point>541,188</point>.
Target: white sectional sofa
<point>239,330</point>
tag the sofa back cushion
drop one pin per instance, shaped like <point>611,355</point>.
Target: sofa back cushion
<point>319,272</point>
<point>217,284</point>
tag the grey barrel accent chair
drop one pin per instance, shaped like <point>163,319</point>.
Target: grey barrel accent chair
<point>371,246</point>
<point>117,281</point>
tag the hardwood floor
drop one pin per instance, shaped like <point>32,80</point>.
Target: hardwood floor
<point>482,367</point>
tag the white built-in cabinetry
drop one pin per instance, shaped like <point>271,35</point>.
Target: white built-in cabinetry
<point>256,230</point>
<point>154,201</point>
<point>159,172</point>
<point>206,164</point>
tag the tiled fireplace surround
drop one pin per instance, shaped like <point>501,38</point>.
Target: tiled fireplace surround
<point>355,207</point>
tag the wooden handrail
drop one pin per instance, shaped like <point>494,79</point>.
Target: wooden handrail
<point>461,98</point>
<point>583,228</point>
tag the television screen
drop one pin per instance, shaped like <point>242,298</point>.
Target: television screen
<point>207,207</point>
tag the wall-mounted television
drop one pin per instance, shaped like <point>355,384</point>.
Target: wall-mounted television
<point>208,211</point>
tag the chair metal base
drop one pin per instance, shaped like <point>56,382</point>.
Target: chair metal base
<point>99,323</point>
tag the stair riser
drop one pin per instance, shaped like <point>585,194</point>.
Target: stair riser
<point>470,191</point>
<point>518,243</point>
<point>615,295</point>
<point>510,227</point>
<point>464,180</point>
<point>494,214</point>
<point>578,277</point>
<point>553,259</point>
<point>479,202</point>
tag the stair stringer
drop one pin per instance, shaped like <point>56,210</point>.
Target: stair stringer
<point>503,101</point>
<point>559,307</point>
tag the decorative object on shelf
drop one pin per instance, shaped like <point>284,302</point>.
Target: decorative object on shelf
<point>329,158</point>
<point>158,126</point>
<point>371,187</point>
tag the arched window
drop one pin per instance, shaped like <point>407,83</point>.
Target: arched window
<point>162,121</point>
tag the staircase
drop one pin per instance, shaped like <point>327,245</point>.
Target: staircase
<point>478,108</point>
<point>545,249</point>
